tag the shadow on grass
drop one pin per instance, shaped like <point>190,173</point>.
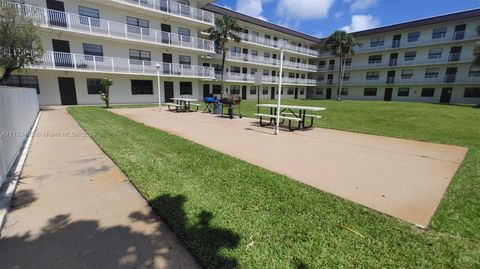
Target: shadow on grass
<point>204,241</point>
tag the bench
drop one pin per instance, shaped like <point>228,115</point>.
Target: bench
<point>283,118</point>
<point>306,116</point>
<point>195,105</point>
<point>173,105</point>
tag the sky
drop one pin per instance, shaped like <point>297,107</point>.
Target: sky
<point>322,17</point>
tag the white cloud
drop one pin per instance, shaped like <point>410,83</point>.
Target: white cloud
<point>361,22</point>
<point>304,9</point>
<point>252,8</point>
<point>318,35</point>
<point>360,5</point>
<point>338,14</point>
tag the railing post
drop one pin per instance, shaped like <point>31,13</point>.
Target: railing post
<point>143,67</point>
<point>74,61</point>
<point>113,66</point>
<point>156,36</point>
<point>126,31</point>
<point>141,33</point>
<point>94,63</point>
<point>108,28</point>
<point>90,24</point>
<point>45,13</point>
<point>129,69</point>
<point>67,16</point>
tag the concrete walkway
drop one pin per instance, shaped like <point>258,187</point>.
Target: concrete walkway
<point>402,178</point>
<point>75,209</point>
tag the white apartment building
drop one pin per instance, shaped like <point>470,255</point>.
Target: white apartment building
<point>428,60</point>
<point>131,41</point>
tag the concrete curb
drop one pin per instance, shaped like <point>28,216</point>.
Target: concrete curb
<point>10,185</point>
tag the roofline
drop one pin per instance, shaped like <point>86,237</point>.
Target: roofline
<point>455,16</point>
<point>246,18</point>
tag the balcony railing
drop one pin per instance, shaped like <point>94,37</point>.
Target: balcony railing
<point>402,63</point>
<point>249,78</point>
<point>275,44</point>
<point>426,40</point>
<point>174,8</point>
<point>411,81</point>
<point>88,25</point>
<point>241,57</point>
<point>89,63</point>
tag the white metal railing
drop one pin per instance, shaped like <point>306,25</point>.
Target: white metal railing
<point>425,40</point>
<point>77,23</point>
<point>402,63</point>
<point>174,8</point>
<point>275,43</point>
<point>90,63</point>
<point>241,57</point>
<point>239,77</point>
<point>446,79</point>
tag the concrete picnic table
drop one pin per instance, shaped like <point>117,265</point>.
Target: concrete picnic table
<point>184,104</point>
<point>291,113</point>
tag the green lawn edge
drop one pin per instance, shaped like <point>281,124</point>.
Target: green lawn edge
<point>216,214</point>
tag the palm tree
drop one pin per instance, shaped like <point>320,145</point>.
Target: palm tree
<point>476,51</point>
<point>221,33</point>
<point>340,44</point>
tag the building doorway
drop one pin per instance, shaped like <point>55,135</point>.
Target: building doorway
<point>68,94</point>
<point>388,94</point>
<point>329,94</point>
<point>446,95</point>
<point>168,90</point>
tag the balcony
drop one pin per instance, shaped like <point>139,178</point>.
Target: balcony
<point>411,81</point>
<point>424,41</point>
<point>402,63</point>
<point>170,8</point>
<point>258,40</point>
<point>91,26</point>
<point>249,78</point>
<point>52,60</point>
<point>254,59</point>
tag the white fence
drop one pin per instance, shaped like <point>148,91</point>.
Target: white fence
<point>18,111</point>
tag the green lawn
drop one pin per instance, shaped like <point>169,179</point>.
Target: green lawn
<point>218,212</point>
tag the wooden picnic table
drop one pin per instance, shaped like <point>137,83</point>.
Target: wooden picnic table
<point>183,104</point>
<point>290,113</point>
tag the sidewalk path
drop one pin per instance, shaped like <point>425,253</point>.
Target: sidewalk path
<point>403,178</point>
<point>75,209</point>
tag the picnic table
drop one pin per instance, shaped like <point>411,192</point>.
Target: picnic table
<point>183,104</point>
<point>292,114</point>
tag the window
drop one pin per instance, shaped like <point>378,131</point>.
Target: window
<point>235,69</point>
<point>473,92</point>
<point>403,91</point>
<point>265,90</point>
<point>432,72</point>
<point>255,53</point>
<point>89,16</point>
<point>319,92</point>
<point>253,71</point>
<point>474,71</point>
<point>373,75</point>
<point>184,60</point>
<point>348,62</point>
<point>410,55</point>
<point>373,59</point>
<point>291,75</point>
<point>377,42</point>
<point>140,55</point>
<point>235,49</point>
<point>435,53</point>
<point>266,55</point>
<point>253,90</point>
<point>346,76</point>
<point>302,91</point>
<point>413,37</point>
<point>136,25</point>
<point>183,34</point>
<point>266,72</point>
<point>142,87</point>
<point>185,88</point>
<point>428,92</point>
<point>23,82</point>
<point>94,86</point>
<point>407,74</point>
<point>344,91</point>
<point>290,91</point>
<point>216,89</point>
<point>439,33</point>
<point>235,89</point>
<point>370,92</point>
<point>94,50</point>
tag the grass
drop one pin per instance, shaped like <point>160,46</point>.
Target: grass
<point>235,214</point>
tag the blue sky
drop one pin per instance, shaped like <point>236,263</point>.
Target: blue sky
<point>322,17</point>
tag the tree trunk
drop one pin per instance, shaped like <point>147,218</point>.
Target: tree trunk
<point>339,89</point>
<point>224,55</point>
<point>6,74</point>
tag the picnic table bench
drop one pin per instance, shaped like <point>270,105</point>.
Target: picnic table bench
<point>183,104</point>
<point>292,114</point>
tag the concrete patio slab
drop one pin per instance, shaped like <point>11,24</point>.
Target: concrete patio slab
<point>74,208</point>
<point>402,178</point>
